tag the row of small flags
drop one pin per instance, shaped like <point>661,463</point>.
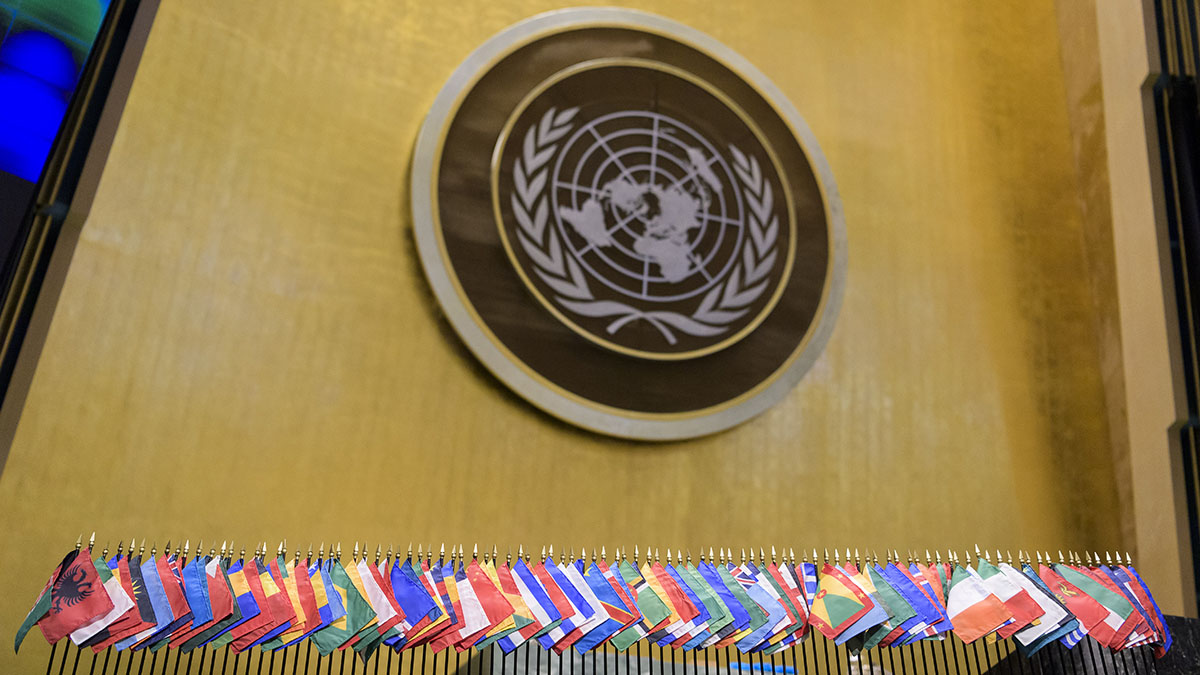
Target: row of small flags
<point>131,602</point>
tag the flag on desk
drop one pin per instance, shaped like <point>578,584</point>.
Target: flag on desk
<point>900,612</point>
<point>1069,630</point>
<point>837,604</point>
<point>719,618</point>
<point>608,603</point>
<point>244,608</point>
<point>1135,628</point>
<point>145,575</point>
<point>326,600</point>
<point>1116,609</point>
<point>930,584</point>
<point>170,575</point>
<point>1052,614</point>
<point>739,618</point>
<point>121,601</point>
<point>125,624</point>
<point>1020,603</point>
<point>653,610</point>
<point>341,590</point>
<point>298,588</point>
<point>541,607</point>
<point>522,617</point>
<point>756,619</point>
<point>196,591</point>
<point>1147,599</point>
<point>972,608</point>
<point>698,626</point>
<point>495,610</point>
<point>419,607</point>
<point>1092,616</point>
<point>581,597</point>
<point>624,593</point>
<point>876,613</point>
<point>424,574</point>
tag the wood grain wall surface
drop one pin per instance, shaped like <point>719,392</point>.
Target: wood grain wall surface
<point>246,349</point>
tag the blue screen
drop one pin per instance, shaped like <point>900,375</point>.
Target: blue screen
<point>43,46</point>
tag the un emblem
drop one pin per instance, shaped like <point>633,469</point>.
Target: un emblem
<point>628,224</point>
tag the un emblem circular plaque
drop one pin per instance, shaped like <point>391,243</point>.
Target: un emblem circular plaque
<point>628,224</point>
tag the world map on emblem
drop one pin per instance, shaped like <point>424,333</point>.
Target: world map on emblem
<point>627,224</point>
<point>645,229</point>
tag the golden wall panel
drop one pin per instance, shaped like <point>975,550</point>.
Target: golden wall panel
<point>245,347</point>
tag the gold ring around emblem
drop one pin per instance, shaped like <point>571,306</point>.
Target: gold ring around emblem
<point>834,271</point>
<point>596,64</point>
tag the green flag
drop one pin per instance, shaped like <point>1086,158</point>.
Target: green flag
<point>719,617</point>
<point>757,616</point>
<point>897,607</point>
<point>653,609</point>
<point>358,613</point>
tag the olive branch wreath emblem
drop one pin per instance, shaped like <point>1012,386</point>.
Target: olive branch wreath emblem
<point>727,302</point>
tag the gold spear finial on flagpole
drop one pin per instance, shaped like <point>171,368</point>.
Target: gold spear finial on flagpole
<point>508,557</point>
<point>187,546</point>
<point>826,555</point>
<point>378,553</point>
<point>442,553</point>
<point>1061,561</point>
<point>142,548</point>
<point>92,541</point>
<point>668,555</point>
<point>837,557</point>
<point>583,556</point>
<point>792,556</point>
<point>857,559</point>
<point>474,552</point>
<point>338,552</point>
<point>79,542</point>
<point>1107,559</point>
<point>120,547</point>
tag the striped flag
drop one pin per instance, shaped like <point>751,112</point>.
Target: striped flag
<point>972,608</point>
